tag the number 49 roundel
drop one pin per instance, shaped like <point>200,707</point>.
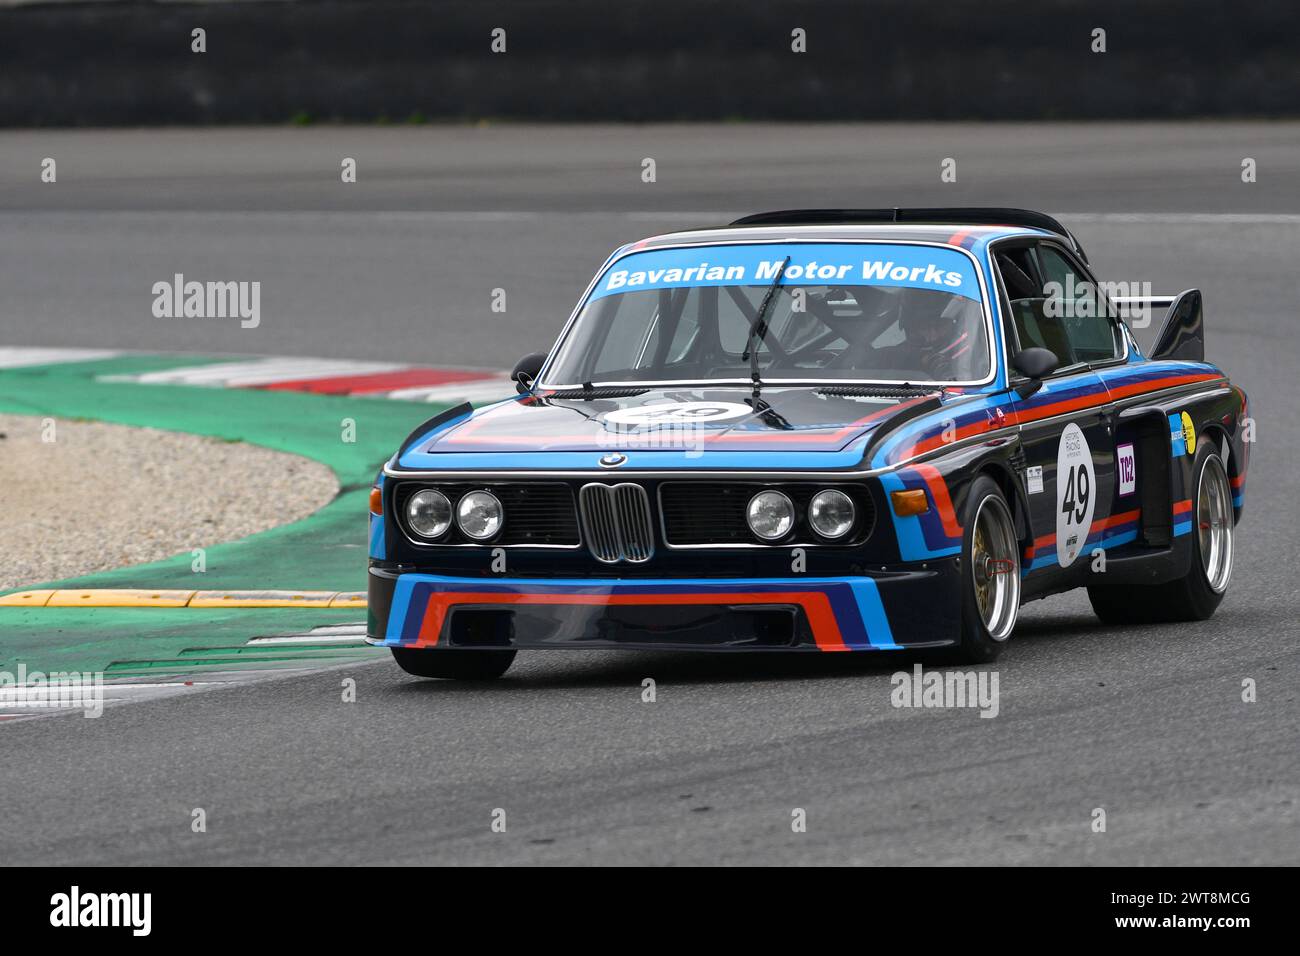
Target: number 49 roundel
<point>1076,494</point>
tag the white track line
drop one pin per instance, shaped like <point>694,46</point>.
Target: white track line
<point>342,639</point>
<point>39,696</point>
<point>328,634</point>
<point>492,390</point>
<point>263,371</point>
<point>489,386</point>
<point>20,357</point>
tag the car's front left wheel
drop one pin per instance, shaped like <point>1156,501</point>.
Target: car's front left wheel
<point>990,573</point>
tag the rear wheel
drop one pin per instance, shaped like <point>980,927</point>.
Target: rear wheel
<point>452,663</point>
<point>1196,595</point>
<point>990,573</point>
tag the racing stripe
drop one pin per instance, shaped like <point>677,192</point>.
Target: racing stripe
<point>926,435</point>
<point>844,614</point>
<point>943,504</point>
<point>826,630</point>
<point>1238,495</point>
<point>1113,531</point>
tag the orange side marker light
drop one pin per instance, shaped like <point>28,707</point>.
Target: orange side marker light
<point>910,502</point>
<point>376,501</point>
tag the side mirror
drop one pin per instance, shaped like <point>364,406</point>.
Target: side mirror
<point>526,371</point>
<point>1034,364</point>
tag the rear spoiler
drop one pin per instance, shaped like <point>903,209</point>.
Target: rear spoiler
<point>1182,336</point>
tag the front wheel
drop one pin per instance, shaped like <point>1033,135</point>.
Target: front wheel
<point>453,664</point>
<point>990,573</point>
<point>1196,595</point>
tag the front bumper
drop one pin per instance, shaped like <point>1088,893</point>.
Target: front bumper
<point>915,607</point>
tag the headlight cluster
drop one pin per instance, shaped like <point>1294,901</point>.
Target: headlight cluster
<point>478,514</point>
<point>771,514</point>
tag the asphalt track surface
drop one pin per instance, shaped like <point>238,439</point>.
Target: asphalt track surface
<point>1147,723</point>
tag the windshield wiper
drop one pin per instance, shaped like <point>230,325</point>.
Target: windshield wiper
<point>758,328</point>
<point>769,415</point>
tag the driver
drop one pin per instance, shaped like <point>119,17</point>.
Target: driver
<point>936,344</point>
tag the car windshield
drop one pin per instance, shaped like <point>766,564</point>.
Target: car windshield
<point>877,312</point>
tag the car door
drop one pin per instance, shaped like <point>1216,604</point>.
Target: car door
<point>1065,425</point>
<point>1097,338</point>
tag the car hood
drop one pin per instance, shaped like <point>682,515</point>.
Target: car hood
<point>667,427</point>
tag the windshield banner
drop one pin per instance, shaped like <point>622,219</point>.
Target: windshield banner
<point>830,264</point>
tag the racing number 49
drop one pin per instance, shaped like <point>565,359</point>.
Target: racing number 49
<point>1076,493</point>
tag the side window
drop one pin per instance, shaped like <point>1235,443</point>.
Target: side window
<point>1072,297</point>
<point>1036,326</point>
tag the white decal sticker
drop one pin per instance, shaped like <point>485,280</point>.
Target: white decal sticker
<point>1034,479</point>
<point>677,413</point>
<point>1076,494</point>
<point>1127,468</point>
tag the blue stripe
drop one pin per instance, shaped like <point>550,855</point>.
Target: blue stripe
<point>912,542</point>
<point>398,630</point>
<point>1108,537</point>
<point>872,609</point>
<point>1177,444</point>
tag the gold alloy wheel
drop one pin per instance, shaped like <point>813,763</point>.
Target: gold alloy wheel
<point>995,568</point>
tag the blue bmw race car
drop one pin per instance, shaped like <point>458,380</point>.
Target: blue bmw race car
<point>819,430</point>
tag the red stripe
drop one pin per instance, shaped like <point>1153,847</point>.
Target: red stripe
<point>378,381</point>
<point>1182,507</point>
<point>1052,408</point>
<point>943,503</point>
<point>826,630</point>
<point>1238,481</point>
<point>1101,524</point>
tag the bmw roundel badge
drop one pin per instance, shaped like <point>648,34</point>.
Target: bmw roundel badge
<point>612,460</point>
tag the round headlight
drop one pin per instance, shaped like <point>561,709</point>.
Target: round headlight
<point>831,513</point>
<point>428,513</point>
<point>479,515</point>
<point>770,515</point>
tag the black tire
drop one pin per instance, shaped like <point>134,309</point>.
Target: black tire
<point>1189,598</point>
<point>977,645</point>
<point>452,663</point>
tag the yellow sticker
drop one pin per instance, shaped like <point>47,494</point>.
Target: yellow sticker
<point>1189,434</point>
